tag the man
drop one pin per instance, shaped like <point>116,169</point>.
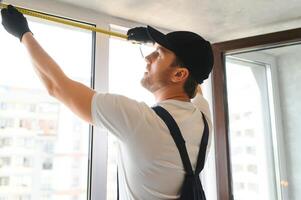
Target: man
<point>149,163</point>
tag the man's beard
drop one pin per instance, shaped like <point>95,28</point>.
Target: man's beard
<point>152,85</point>
<point>145,82</point>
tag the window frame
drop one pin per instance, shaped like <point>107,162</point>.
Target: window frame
<point>273,130</point>
<point>27,161</point>
<point>276,128</point>
<point>221,49</point>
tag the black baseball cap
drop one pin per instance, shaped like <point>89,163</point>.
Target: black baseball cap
<point>194,51</point>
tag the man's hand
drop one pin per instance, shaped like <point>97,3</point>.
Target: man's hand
<point>139,34</point>
<point>14,22</point>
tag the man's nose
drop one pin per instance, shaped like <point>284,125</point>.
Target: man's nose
<point>148,58</point>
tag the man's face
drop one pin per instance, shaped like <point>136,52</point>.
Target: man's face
<point>158,69</point>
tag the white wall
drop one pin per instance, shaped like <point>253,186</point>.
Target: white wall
<point>289,76</point>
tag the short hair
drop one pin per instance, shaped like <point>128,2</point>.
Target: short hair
<point>190,83</point>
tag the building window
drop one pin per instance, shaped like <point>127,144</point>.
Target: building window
<point>47,164</point>
<point>251,150</point>
<point>252,168</point>
<point>27,162</point>
<point>24,197</point>
<point>23,181</point>
<point>5,161</point>
<point>47,146</point>
<point>5,142</point>
<point>250,133</point>
<point>4,181</point>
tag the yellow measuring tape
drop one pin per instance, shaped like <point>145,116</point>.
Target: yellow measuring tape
<point>64,21</point>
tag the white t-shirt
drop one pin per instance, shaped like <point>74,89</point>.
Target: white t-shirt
<point>149,164</point>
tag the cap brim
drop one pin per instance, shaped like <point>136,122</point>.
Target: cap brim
<point>159,37</point>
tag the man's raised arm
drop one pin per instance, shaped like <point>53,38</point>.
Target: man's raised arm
<point>74,95</point>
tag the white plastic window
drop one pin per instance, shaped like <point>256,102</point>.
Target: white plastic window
<point>43,146</point>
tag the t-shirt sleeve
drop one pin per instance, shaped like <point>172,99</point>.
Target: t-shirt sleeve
<point>117,113</point>
<point>201,103</point>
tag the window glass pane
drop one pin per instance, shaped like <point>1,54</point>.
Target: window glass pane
<point>43,146</point>
<point>126,68</point>
<point>251,150</point>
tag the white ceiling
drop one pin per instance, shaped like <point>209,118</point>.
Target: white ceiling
<point>216,20</point>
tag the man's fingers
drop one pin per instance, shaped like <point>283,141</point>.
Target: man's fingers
<point>3,12</point>
<point>11,9</point>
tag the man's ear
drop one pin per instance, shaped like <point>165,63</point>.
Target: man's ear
<point>180,74</point>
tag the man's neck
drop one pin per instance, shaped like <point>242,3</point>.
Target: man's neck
<point>167,94</point>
